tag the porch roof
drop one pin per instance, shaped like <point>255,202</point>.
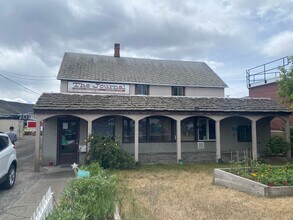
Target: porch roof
<point>82,102</point>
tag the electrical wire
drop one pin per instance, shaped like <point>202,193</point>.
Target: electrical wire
<point>4,72</point>
<point>24,87</point>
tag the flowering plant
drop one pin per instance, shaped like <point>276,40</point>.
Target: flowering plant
<point>266,174</point>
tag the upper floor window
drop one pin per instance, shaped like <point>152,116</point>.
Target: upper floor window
<point>141,89</point>
<point>178,90</point>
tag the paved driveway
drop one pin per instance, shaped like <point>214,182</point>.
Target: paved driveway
<point>25,177</point>
<point>22,200</point>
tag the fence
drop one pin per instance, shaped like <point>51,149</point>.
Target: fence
<point>45,206</point>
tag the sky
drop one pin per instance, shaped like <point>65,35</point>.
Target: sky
<point>231,36</point>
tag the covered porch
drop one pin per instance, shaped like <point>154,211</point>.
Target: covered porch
<point>156,133</point>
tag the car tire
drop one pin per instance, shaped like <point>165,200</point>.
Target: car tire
<point>11,176</point>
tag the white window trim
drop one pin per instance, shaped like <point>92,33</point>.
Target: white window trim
<point>207,129</point>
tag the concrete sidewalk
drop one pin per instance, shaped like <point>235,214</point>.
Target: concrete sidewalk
<point>56,177</point>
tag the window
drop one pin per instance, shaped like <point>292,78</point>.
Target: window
<point>3,142</point>
<point>141,89</point>
<point>104,126</point>
<point>157,129</point>
<point>128,130</point>
<point>244,133</point>
<point>206,129</point>
<point>178,91</point>
<point>187,129</point>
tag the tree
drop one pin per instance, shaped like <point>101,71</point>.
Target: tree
<point>286,84</point>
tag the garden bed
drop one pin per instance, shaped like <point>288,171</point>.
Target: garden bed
<point>223,177</point>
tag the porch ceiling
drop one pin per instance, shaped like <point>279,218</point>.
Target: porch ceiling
<point>78,102</point>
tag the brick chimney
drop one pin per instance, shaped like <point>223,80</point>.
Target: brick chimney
<point>117,50</point>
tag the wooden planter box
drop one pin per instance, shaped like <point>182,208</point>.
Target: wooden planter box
<point>224,178</point>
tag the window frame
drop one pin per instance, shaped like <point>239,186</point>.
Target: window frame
<point>193,120</point>
<point>248,133</point>
<point>148,130</point>
<point>178,91</point>
<point>113,129</point>
<point>129,121</point>
<point>144,87</point>
<point>207,129</point>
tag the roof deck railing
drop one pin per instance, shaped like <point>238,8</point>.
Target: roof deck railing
<point>265,73</point>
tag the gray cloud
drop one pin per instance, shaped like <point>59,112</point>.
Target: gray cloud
<point>35,34</point>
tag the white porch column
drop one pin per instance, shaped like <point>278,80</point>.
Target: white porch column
<point>136,130</point>
<point>287,130</point>
<point>37,146</point>
<point>218,140</point>
<point>89,127</point>
<point>254,139</point>
<point>178,139</point>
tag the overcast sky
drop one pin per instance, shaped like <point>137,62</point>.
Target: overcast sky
<point>229,35</point>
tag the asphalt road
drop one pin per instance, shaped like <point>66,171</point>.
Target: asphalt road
<point>25,175</point>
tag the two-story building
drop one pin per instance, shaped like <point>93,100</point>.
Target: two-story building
<point>161,111</point>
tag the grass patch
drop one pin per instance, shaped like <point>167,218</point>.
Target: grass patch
<point>187,192</point>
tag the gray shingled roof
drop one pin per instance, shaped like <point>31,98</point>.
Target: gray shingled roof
<point>88,67</point>
<point>62,101</point>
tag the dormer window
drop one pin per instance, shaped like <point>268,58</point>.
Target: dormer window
<point>178,90</point>
<point>141,89</point>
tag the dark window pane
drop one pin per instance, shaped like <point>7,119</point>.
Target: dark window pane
<point>3,142</point>
<point>187,130</point>
<point>104,126</point>
<point>212,130</point>
<point>143,127</point>
<point>244,133</point>
<point>141,90</point>
<point>202,129</point>
<point>157,129</point>
<point>178,91</point>
<point>128,130</point>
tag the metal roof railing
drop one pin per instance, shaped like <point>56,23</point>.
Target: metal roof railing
<point>265,73</point>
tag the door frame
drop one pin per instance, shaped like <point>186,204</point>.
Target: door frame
<point>59,120</point>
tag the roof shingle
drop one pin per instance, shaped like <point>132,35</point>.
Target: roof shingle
<point>89,67</point>
<point>62,101</point>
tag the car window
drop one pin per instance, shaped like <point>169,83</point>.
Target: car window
<point>3,142</point>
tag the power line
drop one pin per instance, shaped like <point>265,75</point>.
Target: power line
<point>4,72</point>
<point>19,84</point>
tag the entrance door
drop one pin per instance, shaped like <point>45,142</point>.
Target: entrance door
<point>68,135</point>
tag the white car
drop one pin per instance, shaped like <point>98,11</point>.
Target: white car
<point>8,162</point>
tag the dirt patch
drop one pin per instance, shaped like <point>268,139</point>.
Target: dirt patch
<point>187,192</point>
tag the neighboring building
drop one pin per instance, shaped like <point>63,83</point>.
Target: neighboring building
<point>262,82</point>
<point>161,111</point>
<point>6,123</point>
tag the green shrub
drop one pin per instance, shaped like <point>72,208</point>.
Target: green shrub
<point>277,145</point>
<point>108,153</point>
<point>88,198</point>
<point>94,169</point>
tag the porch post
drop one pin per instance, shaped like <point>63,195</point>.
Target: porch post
<point>37,146</point>
<point>254,139</point>
<point>136,130</point>
<point>218,141</point>
<point>287,129</point>
<point>89,127</point>
<point>178,139</point>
